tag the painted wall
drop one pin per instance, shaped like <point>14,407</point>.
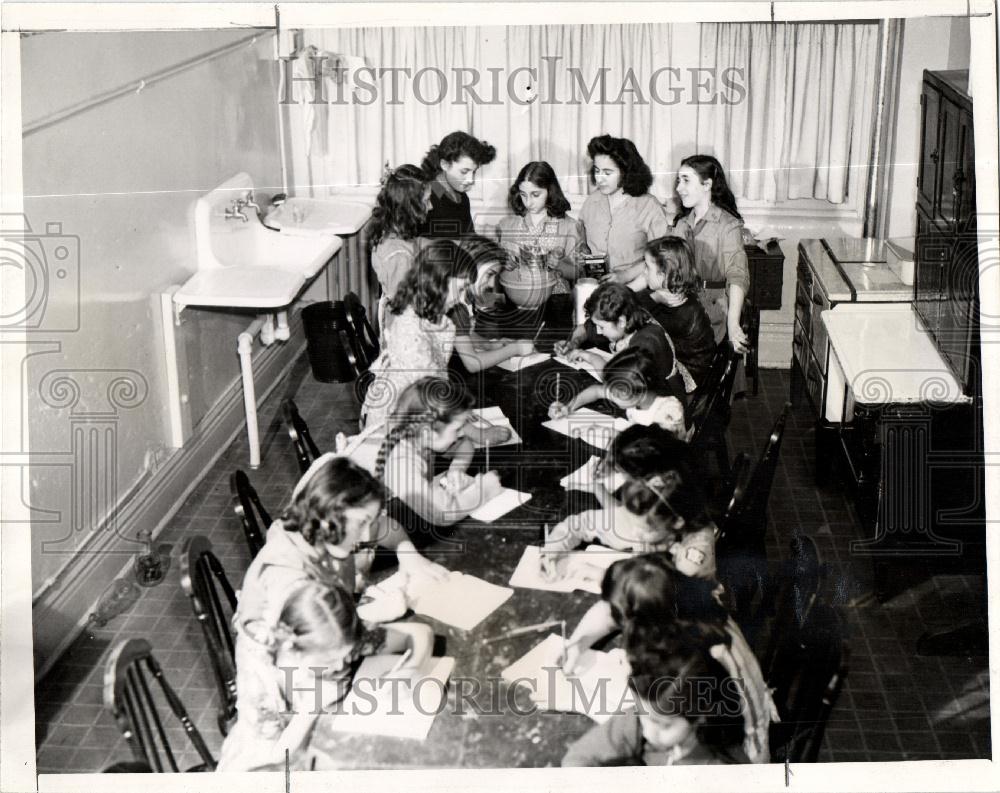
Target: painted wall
<point>928,43</point>
<point>119,178</point>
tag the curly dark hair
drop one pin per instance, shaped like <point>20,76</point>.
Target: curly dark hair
<point>454,146</point>
<point>674,258</point>
<point>649,589</point>
<point>399,208</point>
<point>428,401</point>
<point>610,301</point>
<point>425,285</point>
<point>634,372</point>
<point>474,250</point>
<point>675,676</point>
<point>636,176</point>
<point>316,510</point>
<point>542,175</point>
<point>664,478</point>
<point>707,167</point>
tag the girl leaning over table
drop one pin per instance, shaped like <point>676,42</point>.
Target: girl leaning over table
<point>622,216</point>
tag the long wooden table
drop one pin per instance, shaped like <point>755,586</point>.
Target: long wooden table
<point>486,722</point>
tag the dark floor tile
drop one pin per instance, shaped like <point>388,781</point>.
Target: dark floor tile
<point>920,744</point>
<point>878,741</point>
<point>955,743</point>
<point>846,740</point>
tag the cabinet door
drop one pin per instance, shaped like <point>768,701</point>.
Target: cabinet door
<point>930,102</point>
<point>958,330</point>
<point>965,178</point>
<point>952,160</point>
<point>930,253</point>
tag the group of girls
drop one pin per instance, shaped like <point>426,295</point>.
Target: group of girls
<point>297,608</point>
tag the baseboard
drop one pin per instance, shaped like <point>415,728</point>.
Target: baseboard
<point>60,613</point>
<point>775,345</point>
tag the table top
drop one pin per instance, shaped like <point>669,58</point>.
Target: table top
<point>486,721</point>
<point>847,280</point>
<point>887,356</point>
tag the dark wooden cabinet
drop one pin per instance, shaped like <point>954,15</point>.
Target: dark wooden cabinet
<point>946,293</point>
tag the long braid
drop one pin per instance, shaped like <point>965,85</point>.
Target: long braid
<point>403,430</point>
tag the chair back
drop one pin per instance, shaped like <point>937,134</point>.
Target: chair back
<point>247,506</point>
<point>709,407</point>
<point>305,448</point>
<point>367,339</point>
<point>213,602</point>
<point>128,695</point>
<point>806,670</point>
<point>745,522</point>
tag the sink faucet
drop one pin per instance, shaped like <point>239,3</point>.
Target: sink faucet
<point>236,211</point>
<point>248,201</point>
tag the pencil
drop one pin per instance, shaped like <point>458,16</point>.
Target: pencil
<point>538,333</point>
<point>403,659</point>
<point>487,457</point>
<point>558,389</point>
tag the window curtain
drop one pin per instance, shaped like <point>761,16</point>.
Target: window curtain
<point>804,128</point>
<point>349,143</point>
<point>572,61</point>
<point>539,115</point>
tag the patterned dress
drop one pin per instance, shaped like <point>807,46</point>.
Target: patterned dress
<point>412,348</point>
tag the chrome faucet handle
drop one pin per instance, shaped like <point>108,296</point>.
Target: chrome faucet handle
<point>248,201</point>
<point>234,214</point>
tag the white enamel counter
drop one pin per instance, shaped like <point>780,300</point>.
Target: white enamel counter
<point>882,354</point>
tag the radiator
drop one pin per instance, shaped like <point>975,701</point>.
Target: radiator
<point>351,271</point>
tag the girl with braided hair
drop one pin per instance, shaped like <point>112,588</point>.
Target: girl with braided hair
<point>295,662</point>
<point>429,419</point>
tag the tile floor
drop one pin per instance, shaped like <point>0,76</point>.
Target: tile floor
<point>896,705</point>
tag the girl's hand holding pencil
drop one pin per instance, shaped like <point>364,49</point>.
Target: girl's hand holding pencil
<point>558,410</point>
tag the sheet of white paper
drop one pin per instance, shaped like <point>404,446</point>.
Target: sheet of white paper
<point>519,362</point>
<point>498,506</point>
<point>584,570</point>
<point>461,600</point>
<point>597,429</point>
<point>598,688</point>
<point>582,477</point>
<point>494,415</point>
<point>583,367</point>
<point>387,707</point>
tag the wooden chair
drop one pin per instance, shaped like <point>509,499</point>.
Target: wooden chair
<point>741,546</point>
<point>205,583</point>
<point>806,667</point>
<point>247,506</point>
<point>305,448</point>
<point>129,699</point>
<point>709,408</point>
<point>367,340</point>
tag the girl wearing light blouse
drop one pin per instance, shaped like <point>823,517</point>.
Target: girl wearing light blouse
<point>621,217</point>
<point>708,218</point>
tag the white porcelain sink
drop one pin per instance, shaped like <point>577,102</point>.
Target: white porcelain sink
<point>244,264</point>
<point>312,216</point>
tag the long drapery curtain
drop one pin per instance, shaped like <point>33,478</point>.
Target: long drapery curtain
<point>804,129</point>
<point>800,128</point>
<point>586,80</point>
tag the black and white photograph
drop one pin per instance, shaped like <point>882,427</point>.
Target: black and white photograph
<point>477,388</point>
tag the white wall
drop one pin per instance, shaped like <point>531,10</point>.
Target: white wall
<point>120,178</point>
<point>933,43</point>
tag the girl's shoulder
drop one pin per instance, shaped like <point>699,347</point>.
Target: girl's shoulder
<point>392,243</point>
<point>727,220</point>
<point>510,222</point>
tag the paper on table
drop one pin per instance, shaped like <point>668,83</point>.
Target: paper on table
<point>498,506</point>
<point>597,429</point>
<point>583,367</point>
<point>583,477</point>
<point>495,416</point>
<point>519,362</point>
<point>460,600</point>
<point>387,707</point>
<point>598,689</point>
<point>584,570</point>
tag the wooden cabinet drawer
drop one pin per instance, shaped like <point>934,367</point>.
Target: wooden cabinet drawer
<point>815,382</point>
